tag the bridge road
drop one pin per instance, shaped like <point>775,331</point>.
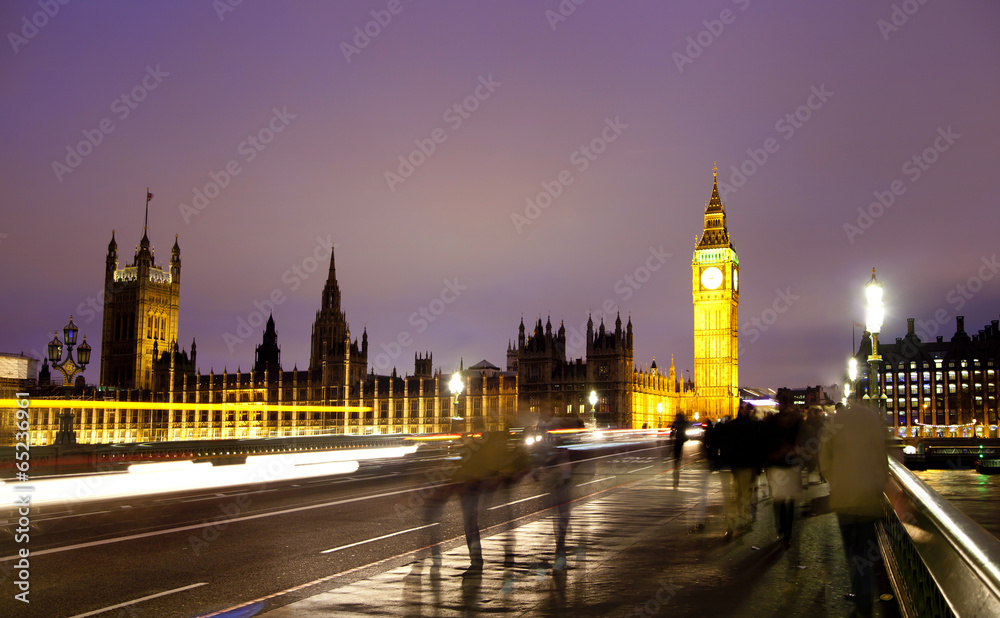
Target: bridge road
<point>631,554</point>
<point>194,553</point>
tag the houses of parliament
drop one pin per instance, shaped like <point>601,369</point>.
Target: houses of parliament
<point>141,360</point>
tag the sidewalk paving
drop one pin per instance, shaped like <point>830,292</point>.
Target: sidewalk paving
<point>630,554</point>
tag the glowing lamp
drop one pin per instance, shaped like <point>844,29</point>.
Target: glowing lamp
<point>69,333</point>
<point>875,311</point>
<point>456,385</point>
<point>83,352</point>
<point>55,349</point>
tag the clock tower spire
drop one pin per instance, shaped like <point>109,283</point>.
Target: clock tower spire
<point>715,291</point>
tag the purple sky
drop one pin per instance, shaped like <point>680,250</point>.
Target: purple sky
<point>889,93</point>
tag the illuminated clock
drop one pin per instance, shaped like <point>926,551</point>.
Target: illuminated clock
<point>736,280</point>
<point>711,277</point>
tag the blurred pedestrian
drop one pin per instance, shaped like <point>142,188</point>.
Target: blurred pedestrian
<point>556,472</point>
<point>708,464</point>
<point>740,448</point>
<point>678,430</point>
<point>784,468</point>
<point>482,456</point>
<point>809,443</point>
<point>854,461</point>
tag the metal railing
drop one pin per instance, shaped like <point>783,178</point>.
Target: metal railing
<point>940,562</point>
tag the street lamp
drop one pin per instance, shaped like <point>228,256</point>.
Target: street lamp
<point>659,414</point>
<point>69,367</point>
<point>455,386</point>
<point>874,316</point>
<point>592,421</point>
<point>852,376</point>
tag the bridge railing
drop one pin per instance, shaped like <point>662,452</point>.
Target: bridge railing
<point>941,563</point>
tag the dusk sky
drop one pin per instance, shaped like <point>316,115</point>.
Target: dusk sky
<point>321,126</point>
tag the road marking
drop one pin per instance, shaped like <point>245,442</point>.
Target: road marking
<point>71,515</point>
<point>607,478</point>
<point>378,538</point>
<point>500,506</point>
<point>213,522</point>
<point>152,596</point>
<point>487,531</point>
<point>641,469</point>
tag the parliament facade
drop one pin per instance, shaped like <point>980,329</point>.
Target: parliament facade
<point>141,361</point>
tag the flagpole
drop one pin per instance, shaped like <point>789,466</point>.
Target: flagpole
<point>145,221</point>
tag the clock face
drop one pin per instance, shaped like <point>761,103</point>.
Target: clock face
<point>711,277</point>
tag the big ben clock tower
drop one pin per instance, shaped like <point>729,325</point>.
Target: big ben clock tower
<point>715,272</point>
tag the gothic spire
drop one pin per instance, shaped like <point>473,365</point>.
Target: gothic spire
<point>715,235</point>
<point>331,291</point>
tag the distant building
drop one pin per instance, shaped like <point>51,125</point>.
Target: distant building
<point>715,271</point>
<point>811,396</point>
<point>940,387</point>
<point>549,384</point>
<point>141,361</point>
<point>141,304</point>
<point>18,373</point>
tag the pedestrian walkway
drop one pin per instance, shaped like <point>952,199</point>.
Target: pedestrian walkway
<point>630,554</point>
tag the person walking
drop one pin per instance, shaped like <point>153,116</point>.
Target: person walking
<point>678,431</point>
<point>854,462</point>
<point>709,463</point>
<point>740,449</point>
<point>784,468</point>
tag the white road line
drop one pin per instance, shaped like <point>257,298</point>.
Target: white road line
<point>500,506</point>
<point>127,603</point>
<point>378,538</point>
<point>68,516</point>
<point>488,531</point>
<point>607,478</point>
<point>213,522</point>
<point>641,469</point>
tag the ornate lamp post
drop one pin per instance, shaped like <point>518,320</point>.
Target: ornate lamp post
<point>874,316</point>
<point>455,386</point>
<point>69,368</point>
<point>592,421</point>
<point>659,414</point>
